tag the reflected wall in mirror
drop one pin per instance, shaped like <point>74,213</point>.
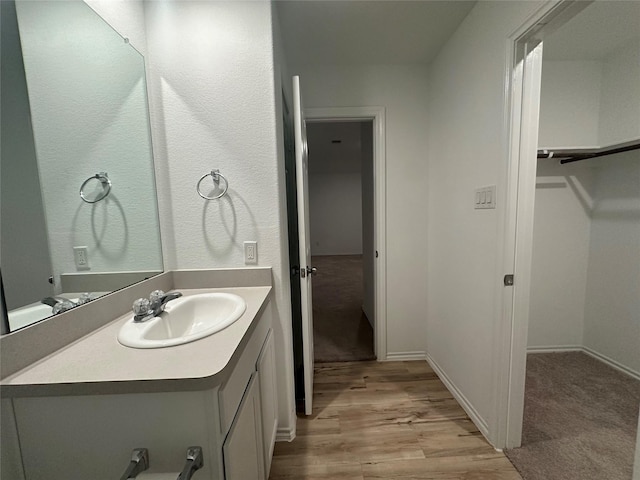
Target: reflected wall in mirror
<point>74,113</point>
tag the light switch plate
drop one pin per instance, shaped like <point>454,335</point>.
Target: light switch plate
<point>485,197</point>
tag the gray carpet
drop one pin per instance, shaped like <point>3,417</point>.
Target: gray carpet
<point>341,331</point>
<point>580,420</point>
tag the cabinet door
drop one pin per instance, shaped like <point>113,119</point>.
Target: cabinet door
<point>243,450</point>
<point>268,398</point>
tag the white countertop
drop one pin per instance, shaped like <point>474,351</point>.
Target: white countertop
<point>98,364</point>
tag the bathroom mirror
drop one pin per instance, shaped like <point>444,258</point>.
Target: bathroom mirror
<point>79,213</point>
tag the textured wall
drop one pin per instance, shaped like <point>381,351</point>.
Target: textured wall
<point>562,224</point>
<point>213,91</point>
<point>402,90</point>
<point>620,96</point>
<point>335,210</point>
<point>570,103</point>
<point>591,103</point>
<point>96,121</point>
<point>612,309</point>
<point>467,133</point>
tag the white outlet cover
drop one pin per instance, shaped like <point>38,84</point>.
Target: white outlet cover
<point>250,252</point>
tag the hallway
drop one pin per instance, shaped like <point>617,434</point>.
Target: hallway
<point>386,420</point>
<point>341,331</point>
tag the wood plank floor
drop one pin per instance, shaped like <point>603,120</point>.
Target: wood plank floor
<point>386,420</point>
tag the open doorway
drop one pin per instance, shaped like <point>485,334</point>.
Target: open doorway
<point>341,219</point>
<point>374,249</point>
<point>575,355</point>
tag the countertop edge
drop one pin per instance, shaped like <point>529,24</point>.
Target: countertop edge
<point>109,387</point>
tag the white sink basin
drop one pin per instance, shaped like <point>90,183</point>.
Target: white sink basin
<point>184,320</point>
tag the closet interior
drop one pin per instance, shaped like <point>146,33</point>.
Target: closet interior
<point>582,390</point>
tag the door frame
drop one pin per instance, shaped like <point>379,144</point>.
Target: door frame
<point>522,108</point>
<point>377,115</point>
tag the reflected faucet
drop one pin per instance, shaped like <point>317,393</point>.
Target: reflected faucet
<point>61,304</point>
<point>145,309</point>
<point>51,301</point>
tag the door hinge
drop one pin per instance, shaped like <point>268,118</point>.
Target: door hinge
<point>508,280</point>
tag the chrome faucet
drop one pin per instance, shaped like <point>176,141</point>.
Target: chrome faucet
<point>51,301</point>
<point>61,304</point>
<point>145,309</point>
<point>139,463</point>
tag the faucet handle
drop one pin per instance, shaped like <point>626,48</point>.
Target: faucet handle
<point>141,307</point>
<point>156,298</point>
<point>84,298</point>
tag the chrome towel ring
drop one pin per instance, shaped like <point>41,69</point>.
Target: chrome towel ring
<point>216,176</point>
<point>103,178</point>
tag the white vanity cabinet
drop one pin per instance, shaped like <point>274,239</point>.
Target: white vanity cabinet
<point>266,368</point>
<point>243,448</point>
<point>92,436</point>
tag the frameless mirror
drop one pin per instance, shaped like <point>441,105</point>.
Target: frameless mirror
<point>78,202</point>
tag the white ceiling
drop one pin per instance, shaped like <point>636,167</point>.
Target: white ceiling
<point>596,32</point>
<point>367,32</point>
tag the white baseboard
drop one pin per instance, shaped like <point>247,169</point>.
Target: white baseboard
<point>285,435</point>
<point>612,363</point>
<point>404,356</point>
<point>476,418</point>
<point>592,353</point>
<point>554,349</point>
<point>288,433</point>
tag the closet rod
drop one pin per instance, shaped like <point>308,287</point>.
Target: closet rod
<point>568,156</point>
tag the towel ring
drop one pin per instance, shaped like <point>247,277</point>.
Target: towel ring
<point>216,175</point>
<point>106,185</point>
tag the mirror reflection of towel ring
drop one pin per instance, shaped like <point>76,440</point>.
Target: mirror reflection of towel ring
<point>216,175</point>
<point>106,186</point>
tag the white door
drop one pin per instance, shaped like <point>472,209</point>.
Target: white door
<point>302,189</point>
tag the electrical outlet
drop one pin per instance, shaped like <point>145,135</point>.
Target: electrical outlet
<point>250,252</point>
<point>81,257</point>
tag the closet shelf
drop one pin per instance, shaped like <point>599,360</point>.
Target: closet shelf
<point>575,154</point>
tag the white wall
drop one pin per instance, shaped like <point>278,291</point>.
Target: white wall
<point>96,121</point>
<point>215,100</point>
<point>570,103</point>
<point>335,188</point>
<point>468,136</point>
<point>562,225</point>
<point>620,96</point>
<point>591,103</point>
<point>612,310</point>
<point>585,273</point>
<point>335,210</point>
<point>402,90</point>
<point>126,17</point>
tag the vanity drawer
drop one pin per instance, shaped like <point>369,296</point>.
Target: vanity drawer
<point>230,395</point>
